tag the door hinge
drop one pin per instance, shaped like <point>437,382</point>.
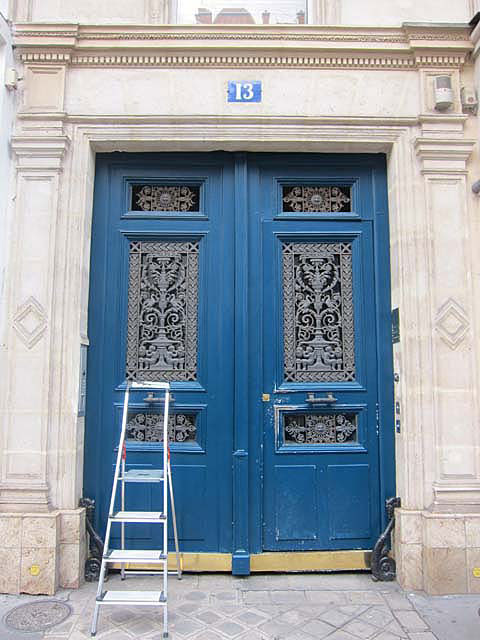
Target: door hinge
<point>377,418</point>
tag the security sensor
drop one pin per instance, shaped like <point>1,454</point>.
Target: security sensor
<point>443,94</point>
<point>469,99</point>
<point>11,78</point>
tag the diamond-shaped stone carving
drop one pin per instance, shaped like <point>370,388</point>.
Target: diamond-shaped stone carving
<point>451,323</point>
<point>30,322</point>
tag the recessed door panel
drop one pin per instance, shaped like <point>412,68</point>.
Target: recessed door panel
<point>294,522</point>
<point>349,495</point>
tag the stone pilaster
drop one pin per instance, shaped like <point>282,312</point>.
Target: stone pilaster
<point>433,549</point>
<point>26,388</point>
<point>43,545</point>
<point>451,382</point>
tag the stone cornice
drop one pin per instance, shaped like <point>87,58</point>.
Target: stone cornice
<point>444,156</point>
<point>270,46</point>
<point>39,152</point>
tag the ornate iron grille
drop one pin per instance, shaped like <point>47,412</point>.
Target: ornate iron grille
<point>318,312</point>
<point>149,197</point>
<point>320,428</point>
<point>162,311</point>
<point>308,199</point>
<point>148,427</point>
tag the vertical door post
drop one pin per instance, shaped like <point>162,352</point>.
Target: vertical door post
<point>241,554</point>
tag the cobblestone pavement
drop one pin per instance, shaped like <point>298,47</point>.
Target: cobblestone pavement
<point>259,607</point>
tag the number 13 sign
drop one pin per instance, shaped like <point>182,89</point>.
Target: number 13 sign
<point>244,91</point>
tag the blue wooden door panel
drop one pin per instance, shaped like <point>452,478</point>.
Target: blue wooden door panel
<point>293,522</point>
<point>169,243</point>
<point>319,309</point>
<point>349,493</point>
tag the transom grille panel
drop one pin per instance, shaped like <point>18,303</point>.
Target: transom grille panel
<point>316,199</point>
<point>157,197</point>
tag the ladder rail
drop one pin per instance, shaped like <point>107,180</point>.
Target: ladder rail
<point>166,411</point>
<point>174,520</point>
<point>122,525</point>
<point>108,597</point>
<point>120,450</point>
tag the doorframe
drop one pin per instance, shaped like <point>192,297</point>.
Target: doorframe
<point>261,135</point>
<point>385,362</point>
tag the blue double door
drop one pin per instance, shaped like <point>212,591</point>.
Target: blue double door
<point>258,286</point>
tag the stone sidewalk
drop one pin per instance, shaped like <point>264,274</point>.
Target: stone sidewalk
<point>266,607</point>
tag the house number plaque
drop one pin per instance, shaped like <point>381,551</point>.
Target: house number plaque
<point>244,91</point>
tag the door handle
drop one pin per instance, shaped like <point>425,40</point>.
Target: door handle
<point>151,399</point>
<point>322,400</point>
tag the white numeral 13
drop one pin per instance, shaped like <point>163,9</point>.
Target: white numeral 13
<point>243,91</point>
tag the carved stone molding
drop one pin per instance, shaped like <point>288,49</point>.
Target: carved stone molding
<point>30,322</point>
<point>258,61</point>
<point>40,153</point>
<point>262,61</point>
<point>451,322</point>
<point>69,34</point>
<point>309,46</point>
<point>444,155</point>
<point>463,496</point>
<point>45,56</point>
<point>25,494</point>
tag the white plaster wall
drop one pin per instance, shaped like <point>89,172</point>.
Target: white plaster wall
<point>7,104</point>
<point>346,12</point>
<point>5,8</point>
<point>395,12</point>
<point>179,92</point>
<point>82,11</point>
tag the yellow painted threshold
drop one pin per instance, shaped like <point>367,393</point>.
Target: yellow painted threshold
<point>274,561</point>
<point>310,561</point>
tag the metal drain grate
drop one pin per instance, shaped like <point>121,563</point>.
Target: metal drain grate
<point>37,616</point>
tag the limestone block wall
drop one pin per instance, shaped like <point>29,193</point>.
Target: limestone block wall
<point>7,111</point>
<point>437,546</point>
<point>94,88</point>
<point>42,551</point>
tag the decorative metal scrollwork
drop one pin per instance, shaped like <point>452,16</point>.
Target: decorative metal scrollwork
<point>307,199</point>
<point>165,198</point>
<point>318,312</point>
<point>95,547</point>
<point>382,564</point>
<point>162,311</point>
<point>320,428</point>
<point>148,427</point>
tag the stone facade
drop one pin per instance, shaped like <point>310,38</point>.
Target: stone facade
<point>363,86</point>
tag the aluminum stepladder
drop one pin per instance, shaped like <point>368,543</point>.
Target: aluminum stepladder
<point>124,556</point>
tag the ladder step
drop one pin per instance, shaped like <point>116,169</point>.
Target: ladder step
<point>149,384</point>
<point>138,516</point>
<point>146,598</point>
<point>143,475</point>
<point>134,555</point>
